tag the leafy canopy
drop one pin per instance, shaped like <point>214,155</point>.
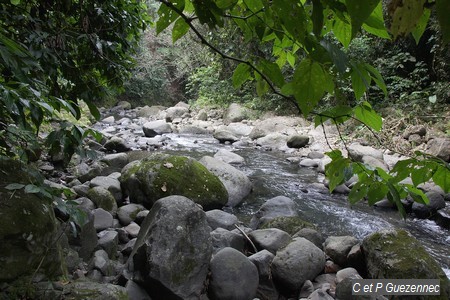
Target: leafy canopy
<point>308,39</point>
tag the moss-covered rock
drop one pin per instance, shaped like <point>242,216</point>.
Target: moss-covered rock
<point>290,225</point>
<point>395,254</point>
<point>103,199</point>
<point>161,175</point>
<point>28,229</point>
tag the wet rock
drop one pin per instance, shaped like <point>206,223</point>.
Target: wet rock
<point>442,217</point>
<point>299,261</point>
<point>94,290</point>
<point>279,206</point>
<point>229,157</point>
<point>423,211</point>
<point>271,239</point>
<point>116,144</point>
<point>224,136</point>
<point>237,184</point>
<point>338,247</point>
<point>218,218</point>
<point>233,276</point>
<point>297,141</point>
<point>154,128</point>
<point>174,267</point>
<point>396,254</point>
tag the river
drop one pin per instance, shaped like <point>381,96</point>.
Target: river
<point>273,175</point>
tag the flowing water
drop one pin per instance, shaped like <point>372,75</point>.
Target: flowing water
<point>272,175</point>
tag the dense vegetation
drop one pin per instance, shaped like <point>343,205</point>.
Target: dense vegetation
<point>320,57</point>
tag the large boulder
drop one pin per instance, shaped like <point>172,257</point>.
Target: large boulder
<point>109,183</point>
<point>117,144</point>
<point>270,239</point>
<point>229,157</point>
<point>28,228</point>
<point>338,247</point>
<point>224,136</point>
<point>173,250</point>
<point>358,151</point>
<point>395,253</point>
<point>176,112</point>
<point>235,181</point>
<point>299,261</point>
<point>439,147</point>
<point>297,141</point>
<point>161,175</point>
<point>233,276</point>
<point>103,199</point>
<point>282,125</point>
<point>154,128</point>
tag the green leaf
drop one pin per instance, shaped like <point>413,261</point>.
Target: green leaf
<point>359,12</point>
<point>394,197</point>
<point>273,72</point>
<point>14,186</point>
<point>167,16</point>
<point>423,173</point>
<point>339,114</point>
<point>254,5</point>
<point>421,26</point>
<point>405,16</point>
<point>226,4</point>
<point>375,23</point>
<point>343,31</point>
<point>358,192</point>
<point>376,76</point>
<point>241,74</point>
<point>180,28</point>
<point>336,172</point>
<point>443,9</point>
<point>15,2</point>
<point>377,191</point>
<point>261,85</point>
<point>361,80</point>
<point>310,82</point>
<point>417,194</point>
<point>442,178</point>
<point>317,17</point>
<point>293,17</point>
<point>290,59</point>
<point>32,189</point>
<point>338,56</point>
<point>368,116</point>
<point>93,110</point>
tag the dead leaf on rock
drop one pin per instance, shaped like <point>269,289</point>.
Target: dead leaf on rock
<point>168,165</point>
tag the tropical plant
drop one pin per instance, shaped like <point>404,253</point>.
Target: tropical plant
<point>302,37</point>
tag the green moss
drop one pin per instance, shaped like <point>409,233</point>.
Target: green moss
<point>290,225</point>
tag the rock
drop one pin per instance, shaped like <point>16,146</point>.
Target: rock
<point>288,224</point>
<point>108,241</point>
<point>123,235</point>
<point>128,213</point>
<point>123,105</point>
<point>94,290</point>
<point>357,151</point>
<point>110,184</point>
<point>309,163</point>
<point>193,130</point>
<point>439,147</point>
<point>229,157</point>
<point>321,295</point>
<point>86,173</point>
<point>220,219</point>
<point>283,125</point>
<point>271,239</point>
<point>306,290</point>
<point>103,199</point>
<point>141,216</point>
<point>116,160</point>
<point>338,247</point>
<point>395,253</point>
<point>154,128</point>
<point>161,175</point>
<point>442,217</point>
<point>176,112</point>
<point>224,136</point>
<point>311,235</point>
<point>87,238</point>
<point>315,155</point>
<point>235,113</point>
<point>132,229</point>
<point>116,144</point>
<point>239,129</point>
<point>101,262</point>
<point>109,120</point>
<point>423,211</point>
<point>150,112</point>
<point>175,267</point>
<point>135,291</point>
<point>355,259</point>
<point>128,247</point>
<point>345,273</point>
<point>266,288</point>
<point>222,238</point>
<point>344,287</point>
<point>273,140</point>
<point>374,162</point>
<point>299,261</point>
<point>233,276</point>
<point>202,115</point>
<point>236,182</point>
<point>297,141</point>
<point>28,228</point>
<point>85,203</point>
<point>419,130</point>
<point>279,206</point>
<point>102,219</point>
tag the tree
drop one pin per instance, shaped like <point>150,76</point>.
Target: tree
<point>308,37</point>
<point>55,54</point>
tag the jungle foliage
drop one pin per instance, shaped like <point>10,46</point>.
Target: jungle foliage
<point>311,39</point>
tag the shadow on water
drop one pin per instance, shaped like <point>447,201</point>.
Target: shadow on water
<point>272,175</point>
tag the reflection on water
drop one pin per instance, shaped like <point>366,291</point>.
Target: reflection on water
<point>272,175</point>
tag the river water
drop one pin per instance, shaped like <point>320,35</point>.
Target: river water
<point>273,175</point>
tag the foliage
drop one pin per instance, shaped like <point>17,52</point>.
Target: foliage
<point>54,54</point>
<point>302,36</point>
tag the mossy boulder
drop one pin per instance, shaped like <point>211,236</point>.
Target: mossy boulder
<point>290,225</point>
<point>103,199</point>
<point>162,175</point>
<point>395,254</point>
<point>28,228</point>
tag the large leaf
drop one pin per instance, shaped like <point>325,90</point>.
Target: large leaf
<point>254,5</point>
<point>360,80</point>
<point>180,28</point>
<point>421,25</point>
<point>339,114</point>
<point>293,17</point>
<point>317,17</point>
<point>377,191</point>
<point>167,15</point>
<point>443,9</point>
<point>442,178</point>
<point>337,56</point>
<point>405,15</point>
<point>310,83</point>
<point>273,72</point>
<point>375,23</point>
<point>359,12</point>
<point>358,192</point>
<point>336,172</point>
<point>342,31</point>
<point>241,75</point>
<point>368,116</point>
<point>376,76</point>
